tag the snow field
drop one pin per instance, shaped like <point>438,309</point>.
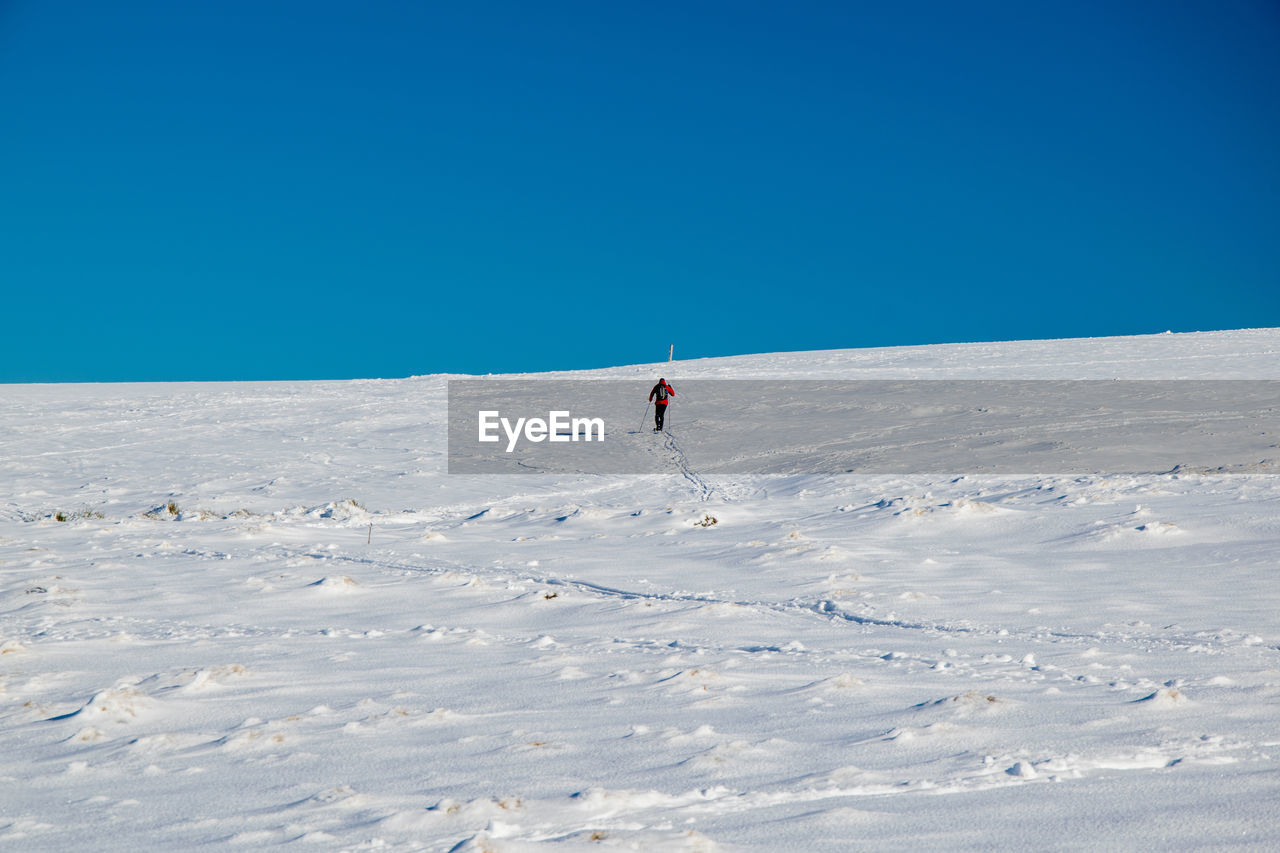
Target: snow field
<point>329,640</point>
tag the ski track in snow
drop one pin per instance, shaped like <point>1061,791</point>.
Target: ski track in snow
<point>701,489</point>
<point>656,663</point>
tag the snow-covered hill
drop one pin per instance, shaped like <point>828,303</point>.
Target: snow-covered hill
<point>263,613</point>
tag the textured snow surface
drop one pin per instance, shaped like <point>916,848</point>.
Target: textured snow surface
<point>261,614</point>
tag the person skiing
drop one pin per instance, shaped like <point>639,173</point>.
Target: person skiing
<point>660,396</point>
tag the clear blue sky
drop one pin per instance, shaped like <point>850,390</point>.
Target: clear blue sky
<point>256,190</point>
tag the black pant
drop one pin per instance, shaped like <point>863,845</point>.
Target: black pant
<point>659,412</point>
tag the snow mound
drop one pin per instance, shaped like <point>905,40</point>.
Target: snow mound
<point>1022,770</point>
<point>211,678</point>
<point>339,585</point>
<point>1159,528</point>
<point>121,704</point>
<point>965,704</point>
<point>959,508</point>
<point>348,512</point>
<point>1165,697</point>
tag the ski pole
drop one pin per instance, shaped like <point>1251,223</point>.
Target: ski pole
<point>645,417</point>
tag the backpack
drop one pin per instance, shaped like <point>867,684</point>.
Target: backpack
<point>662,392</point>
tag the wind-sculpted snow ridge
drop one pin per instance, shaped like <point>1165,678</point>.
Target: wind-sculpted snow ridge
<point>253,615</point>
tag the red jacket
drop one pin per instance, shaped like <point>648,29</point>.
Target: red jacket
<point>670,391</point>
